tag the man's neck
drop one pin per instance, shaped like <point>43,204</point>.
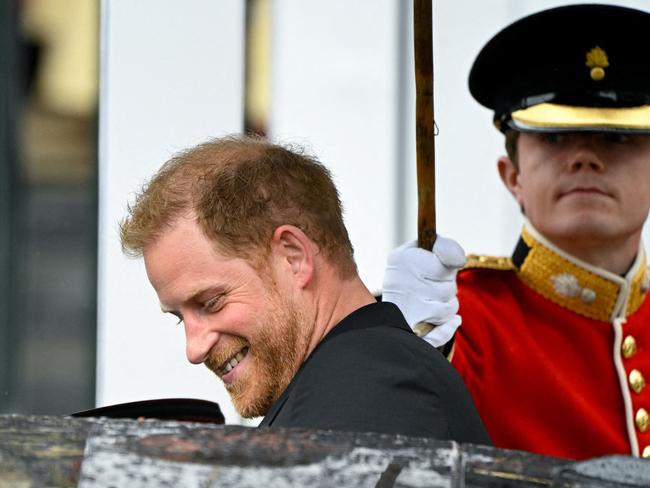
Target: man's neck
<point>336,304</point>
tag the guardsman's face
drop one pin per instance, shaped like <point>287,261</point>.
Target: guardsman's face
<point>582,186</point>
<point>236,320</point>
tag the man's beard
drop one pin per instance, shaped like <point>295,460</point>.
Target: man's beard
<point>274,354</point>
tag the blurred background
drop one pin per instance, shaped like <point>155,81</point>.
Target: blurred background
<point>95,96</point>
<point>48,210</point>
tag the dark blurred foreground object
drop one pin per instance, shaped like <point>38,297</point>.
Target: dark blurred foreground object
<point>60,451</point>
<point>184,409</point>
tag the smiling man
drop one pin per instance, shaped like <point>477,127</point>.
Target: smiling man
<point>555,341</point>
<point>244,242</point>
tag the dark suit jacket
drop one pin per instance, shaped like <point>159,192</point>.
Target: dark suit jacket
<point>371,373</point>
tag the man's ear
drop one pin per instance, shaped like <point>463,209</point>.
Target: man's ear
<point>510,177</point>
<point>295,252</point>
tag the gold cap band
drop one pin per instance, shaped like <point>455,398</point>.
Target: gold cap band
<point>547,116</point>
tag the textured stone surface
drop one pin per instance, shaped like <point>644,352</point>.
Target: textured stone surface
<point>60,451</point>
<point>613,471</point>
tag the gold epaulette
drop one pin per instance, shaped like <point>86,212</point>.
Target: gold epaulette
<point>475,261</point>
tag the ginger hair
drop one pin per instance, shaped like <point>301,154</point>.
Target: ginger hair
<point>240,189</point>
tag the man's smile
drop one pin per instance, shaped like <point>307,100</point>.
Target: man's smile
<point>228,365</point>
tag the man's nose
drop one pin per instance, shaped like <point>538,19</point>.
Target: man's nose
<point>199,340</point>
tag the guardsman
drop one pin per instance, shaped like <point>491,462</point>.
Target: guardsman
<point>555,341</point>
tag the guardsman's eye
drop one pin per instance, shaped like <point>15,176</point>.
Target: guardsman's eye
<point>618,138</point>
<point>553,138</point>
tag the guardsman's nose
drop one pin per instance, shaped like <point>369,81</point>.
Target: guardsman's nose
<point>585,157</point>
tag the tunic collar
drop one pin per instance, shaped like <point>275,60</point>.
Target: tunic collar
<point>576,285</point>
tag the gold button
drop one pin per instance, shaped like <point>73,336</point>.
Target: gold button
<point>629,347</point>
<point>646,452</point>
<point>637,381</point>
<point>642,421</point>
<point>597,73</point>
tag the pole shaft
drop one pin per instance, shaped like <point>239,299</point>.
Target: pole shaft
<point>424,128</point>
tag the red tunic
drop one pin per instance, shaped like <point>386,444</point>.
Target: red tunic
<point>541,351</point>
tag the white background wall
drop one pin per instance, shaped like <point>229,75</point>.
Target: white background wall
<point>342,84</point>
<point>171,76</point>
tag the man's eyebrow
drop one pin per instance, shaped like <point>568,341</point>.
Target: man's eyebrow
<point>195,296</point>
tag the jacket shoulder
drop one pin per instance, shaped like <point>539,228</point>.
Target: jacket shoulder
<point>478,261</point>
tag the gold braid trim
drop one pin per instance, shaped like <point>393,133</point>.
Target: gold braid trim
<point>597,296</point>
<point>475,261</point>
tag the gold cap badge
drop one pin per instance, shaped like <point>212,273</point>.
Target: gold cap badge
<point>597,61</point>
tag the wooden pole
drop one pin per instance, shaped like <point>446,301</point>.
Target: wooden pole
<point>424,129</point>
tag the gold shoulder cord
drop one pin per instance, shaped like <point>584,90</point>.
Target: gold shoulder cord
<point>475,261</point>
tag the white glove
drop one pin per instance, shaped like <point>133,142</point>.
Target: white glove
<point>423,285</point>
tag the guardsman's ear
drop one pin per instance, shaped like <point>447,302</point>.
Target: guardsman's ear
<point>294,253</point>
<point>510,177</point>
